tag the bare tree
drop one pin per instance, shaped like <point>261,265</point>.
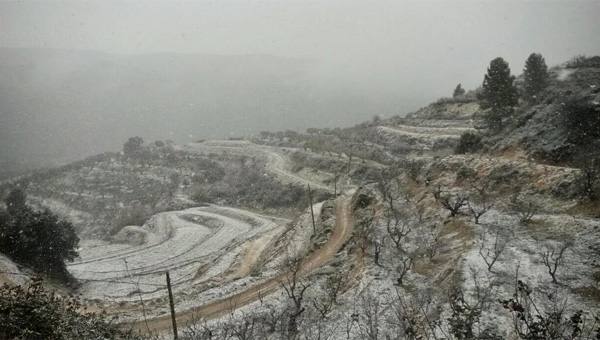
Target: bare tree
<point>415,315</point>
<point>491,252</point>
<point>371,322</point>
<point>398,227</point>
<point>406,320</point>
<point>271,318</point>
<point>552,322</point>
<point>295,289</point>
<point>553,257</point>
<point>404,266</point>
<point>466,310</point>
<point>480,201</point>
<point>397,223</point>
<point>377,245</point>
<point>389,187</point>
<point>245,327</point>
<point>453,202</point>
<point>524,207</point>
<point>198,329</point>
<point>352,320</point>
<point>364,233</point>
<point>413,168</point>
<point>432,242</point>
<point>333,287</point>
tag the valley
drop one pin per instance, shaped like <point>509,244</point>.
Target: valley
<point>382,227</point>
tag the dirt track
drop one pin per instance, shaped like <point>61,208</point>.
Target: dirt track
<point>175,242</point>
<point>277,163</point>
<point>340,235</point>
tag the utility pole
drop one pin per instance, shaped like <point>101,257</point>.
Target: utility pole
<point>312,213</point>
<point>336,176</point>
<point>172,305</point>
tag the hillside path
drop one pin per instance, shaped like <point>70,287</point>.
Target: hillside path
<point>277,163</point>
<point>341,233</point>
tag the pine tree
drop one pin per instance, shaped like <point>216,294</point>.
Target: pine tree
<point>498,94</point>
<point>36,238</point>
<point>133,146</point>
<point>458,91</point>
<point>536,75</point>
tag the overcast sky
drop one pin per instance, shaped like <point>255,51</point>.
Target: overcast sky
<point>391,43</point>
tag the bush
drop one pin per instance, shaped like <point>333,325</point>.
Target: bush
<point>465,173</point>
<point>524,207</point>
<point>35,313</point>
<point>458,91</point>
<point>469,142</point>
<point>136,215</point>
<point>581,118</point>
<point>462,99</point>
<point>589,179</point>
<point>133,146</point>
<point>583,61</point>
<point>412,167</point>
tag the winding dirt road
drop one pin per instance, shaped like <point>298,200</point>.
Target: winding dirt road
<point>184,242</point>
<point>341,233</point>
<point>277,163</point>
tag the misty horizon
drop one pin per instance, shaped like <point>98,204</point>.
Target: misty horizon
<point>73,75</point>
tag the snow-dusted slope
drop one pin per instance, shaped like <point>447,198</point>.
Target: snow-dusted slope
<point>194,244</point>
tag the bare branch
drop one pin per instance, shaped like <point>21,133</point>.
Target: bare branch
<point>553,257</point>
<point>490,254</point>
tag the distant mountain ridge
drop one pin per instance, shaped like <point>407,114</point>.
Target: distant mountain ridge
<point>60,105</point>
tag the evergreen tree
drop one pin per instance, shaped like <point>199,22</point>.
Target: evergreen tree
<point>38,239</point>
<point>536,75</point>
<point>458,91</point>
<point>133,146</point>
<point>498,93</point>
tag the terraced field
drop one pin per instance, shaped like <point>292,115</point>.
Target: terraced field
<point>195,245</point>
<point>277,162</point>
<point>211,252</point>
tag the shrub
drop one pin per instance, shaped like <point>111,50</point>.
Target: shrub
<point>583,61</point>
<point>589,179</point>
<point>524,207</point>
<point>581,118</point>
<point>35,313</point>
<point>458,91</point>
<point>136,215</point>
<point>469,142</point>
<point>465,173</point>
<point>412,167</point>
<point>133,146</point>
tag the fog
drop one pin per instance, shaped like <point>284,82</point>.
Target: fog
<point>78,78</point>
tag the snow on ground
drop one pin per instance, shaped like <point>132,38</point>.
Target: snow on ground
<point>417,140</point>
<point>564,73</point>
<point>277,162</point>
<point>430,131</point>
<point>195,245</point>
<point>523,256</point>
<point>10,273</point>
